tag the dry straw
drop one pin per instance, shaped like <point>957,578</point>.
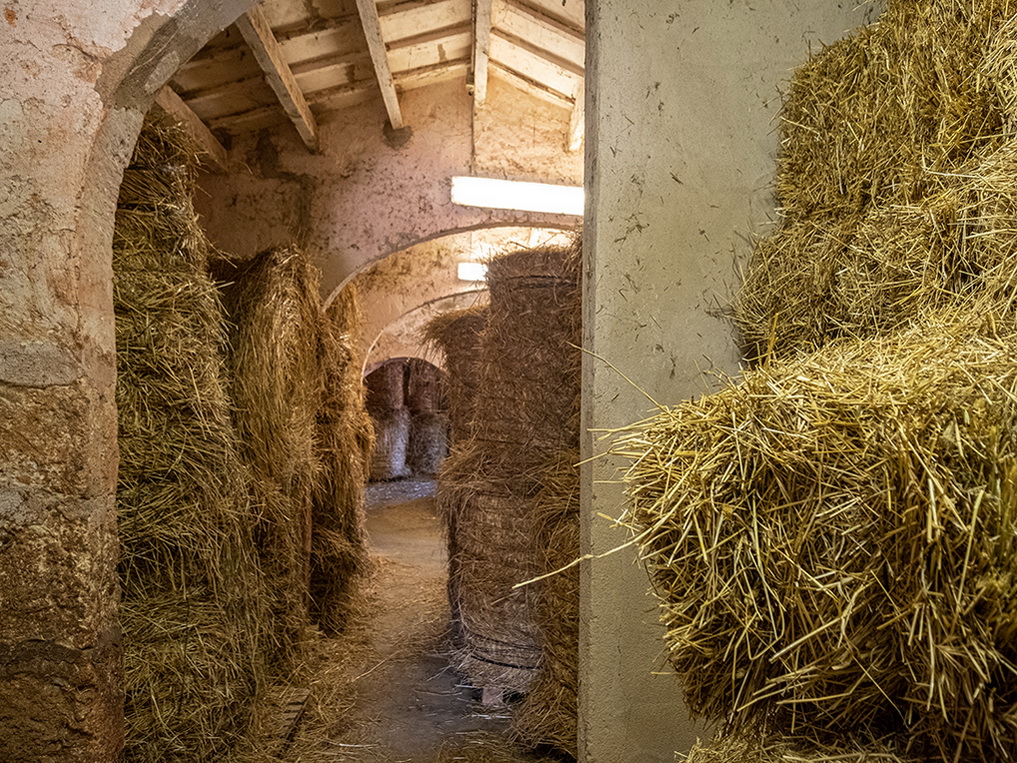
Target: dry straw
<point>428,443</point>
<point>345,439</point>
<point>894,179</point>
<point>762,749</point>
<point>834,540</point>
<point>275,311</point>
<point>192,610</point>
<point>523,419</point>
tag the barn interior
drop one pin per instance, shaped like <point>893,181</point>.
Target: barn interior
<point>698,448</point>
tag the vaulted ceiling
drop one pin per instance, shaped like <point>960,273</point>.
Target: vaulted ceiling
<point>299,60</point>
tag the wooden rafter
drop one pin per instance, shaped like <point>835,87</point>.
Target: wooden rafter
<point>379,56</point>
<point>577,122</point>
<point>213,155</point>
<point>258,34</point>
<point>482,18</point>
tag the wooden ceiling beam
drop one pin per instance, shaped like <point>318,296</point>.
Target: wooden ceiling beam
<point>482,20</point>
<point>213,155</point>
<point>577,122</point>
<point>258,34</point>
<point>379,55</point>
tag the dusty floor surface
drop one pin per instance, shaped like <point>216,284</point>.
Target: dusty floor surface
<point>409,707</point>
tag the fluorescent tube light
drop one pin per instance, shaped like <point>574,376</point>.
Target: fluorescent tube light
<point>512,194</point>
<point>472,271</point>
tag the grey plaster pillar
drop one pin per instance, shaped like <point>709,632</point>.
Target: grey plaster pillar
<point>681,100</point>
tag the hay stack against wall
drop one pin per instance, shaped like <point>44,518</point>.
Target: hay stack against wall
<point>894,179</point>
<point>345,437</point>
<point>457,335</point>
<point>428,443</point>
<point>275,311</point>
<point>191,608</point>
<point>835,540</point>
<point>386,402</point>
<point>424,387</point>
<point>737,748</point>
<point>522,422</point>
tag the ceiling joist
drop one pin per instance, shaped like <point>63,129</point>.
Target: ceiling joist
<point>379,56</point>
<point>213,155</point>
<point>258,34</point>
<point>482,22</point>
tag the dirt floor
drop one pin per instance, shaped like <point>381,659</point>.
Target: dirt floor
<point>398,701</point>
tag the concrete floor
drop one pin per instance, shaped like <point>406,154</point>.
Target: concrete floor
<point>410,706</point>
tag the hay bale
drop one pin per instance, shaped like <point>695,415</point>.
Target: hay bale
<point>191,609</point>
<point>549,714</point>
<point>524,416</point>
<point>457,334</point>
<point>888,180</point>
<point>736,748</point>
<point>833,539</point>
<point>338,541</point>
<point>424,388</point>
<point>428,443</point>
<point>392,440</point>
<point>275,312</point>
<point>386,388</point>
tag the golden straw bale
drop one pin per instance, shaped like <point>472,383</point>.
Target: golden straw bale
<point>192,607</point>
<point>736,748</point>
<point>834,539</point>
<point>275,312</point>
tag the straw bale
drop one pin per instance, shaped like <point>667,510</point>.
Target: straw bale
<point>525,414</point>
<point>424,387</point>
<point>386,388</point>
<point>392,441</point>
<point>738,748</point>
<point>428,443</point>
<point>275,312</point>
<point>192,609</point>
<point>892,202</point>
<point>338,541</point>
<point>457,334</point>
<point>833,539</point>
<point>548,715</point>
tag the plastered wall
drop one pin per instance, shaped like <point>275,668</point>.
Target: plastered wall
<point>680,156</point>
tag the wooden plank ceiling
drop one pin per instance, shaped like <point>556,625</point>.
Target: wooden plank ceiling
<point>296,60</point>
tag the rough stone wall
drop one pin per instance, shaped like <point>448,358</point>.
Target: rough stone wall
<point>76,82</point>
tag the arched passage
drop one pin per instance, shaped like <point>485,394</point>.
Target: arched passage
<point>60,674</point>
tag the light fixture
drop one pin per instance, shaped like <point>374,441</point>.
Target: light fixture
<point>472,271</point>
<point>513,194</point>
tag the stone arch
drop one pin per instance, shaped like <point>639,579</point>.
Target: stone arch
<point>65,150</point>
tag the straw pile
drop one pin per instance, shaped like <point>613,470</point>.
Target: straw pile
<point>275,312</point>
<point>386,398</point>
<point>456,334</point>
<point>548,715</point>
<point>525,395</point>
<point>428,443</point>
<point>834,540</point>
<point>424,387</point>
<point>757,749</point>
<point>894,179</point>
<point>345,438</point>
<point>191,606</point>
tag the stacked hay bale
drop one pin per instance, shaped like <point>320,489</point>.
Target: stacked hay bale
<point>429,423</point>
<point>457,335</point>
<point>192,607</point>
<point>345,438</point>
<point>833,536</point>
<point>835,541</point>
<point>894,180</point>
<point>386,402</point>
<point>275,315</point>
<point>526,391</point>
